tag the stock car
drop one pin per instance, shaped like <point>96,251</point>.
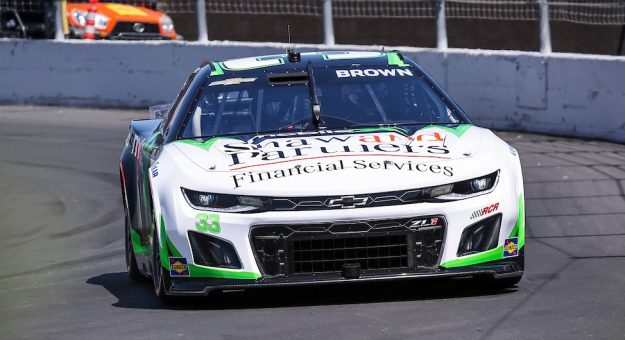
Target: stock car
<point>314,168</point>
<point>121,22</point>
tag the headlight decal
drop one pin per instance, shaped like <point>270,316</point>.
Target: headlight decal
<point>466,189</point>
<point>223,202</point>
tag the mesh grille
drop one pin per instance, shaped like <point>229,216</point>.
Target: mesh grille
<point>372,252</point>
<point>124,27</point>
<point>379,246</point>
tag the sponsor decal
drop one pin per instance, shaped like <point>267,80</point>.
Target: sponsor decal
<point>154,171</point>
<point>262,150</point>
<point>207,223</point>
<point>511,247</point>
<point>178,267</point>
<point>244,178</point>
<point>369,72</point>
<point>485,211</point>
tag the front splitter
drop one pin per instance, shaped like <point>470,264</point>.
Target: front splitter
<point>203,287</point>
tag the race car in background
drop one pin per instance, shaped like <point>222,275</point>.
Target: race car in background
<point>312,168</point>
<point>121,22</point>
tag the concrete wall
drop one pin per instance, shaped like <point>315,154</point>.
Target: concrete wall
<point>564,94</point>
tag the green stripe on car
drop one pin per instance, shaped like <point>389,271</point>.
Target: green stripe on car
<point>458,131</point>
<point>395,60</point>
<point>137,247</point>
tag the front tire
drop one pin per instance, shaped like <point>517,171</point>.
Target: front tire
<point>160,277</point>
<point>131,260</point>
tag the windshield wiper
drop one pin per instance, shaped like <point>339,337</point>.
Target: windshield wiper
<point>316,105</point>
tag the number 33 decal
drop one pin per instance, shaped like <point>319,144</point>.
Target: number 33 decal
<point>207,223</point>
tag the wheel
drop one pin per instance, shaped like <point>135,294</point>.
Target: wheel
<point>160,277</point>
<point>131,261</point>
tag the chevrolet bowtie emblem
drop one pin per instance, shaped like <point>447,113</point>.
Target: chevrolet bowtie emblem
<point>347,202</point>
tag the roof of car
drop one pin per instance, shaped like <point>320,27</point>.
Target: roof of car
<point>283,62</point>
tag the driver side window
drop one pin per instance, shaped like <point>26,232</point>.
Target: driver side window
<point>168,117</point>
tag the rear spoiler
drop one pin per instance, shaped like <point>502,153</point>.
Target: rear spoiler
<point>159,111</point>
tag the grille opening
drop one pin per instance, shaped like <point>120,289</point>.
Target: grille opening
<point>213,252</point>
<point>480,236</point>
<point>127,26</point>
<point>320,250</point>
<point>329,255</point>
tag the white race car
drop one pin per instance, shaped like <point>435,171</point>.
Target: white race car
<point>315,168</point>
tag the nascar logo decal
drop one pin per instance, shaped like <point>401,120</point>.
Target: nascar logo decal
<point>485,211</point>
<point>178,267</point>
<point>511,247</point>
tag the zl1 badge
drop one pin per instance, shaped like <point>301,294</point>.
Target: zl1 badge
<point>178,267</point>
<point>511,247</point>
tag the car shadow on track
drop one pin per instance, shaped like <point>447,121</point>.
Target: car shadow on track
<point>140,295</point>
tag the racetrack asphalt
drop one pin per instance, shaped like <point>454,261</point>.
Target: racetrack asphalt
<point>62,272</point>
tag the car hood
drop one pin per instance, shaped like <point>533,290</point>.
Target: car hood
<point>336,162</point>
<point>121,12</point>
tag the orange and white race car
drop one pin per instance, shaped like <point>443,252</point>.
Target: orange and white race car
<point>119,21</point>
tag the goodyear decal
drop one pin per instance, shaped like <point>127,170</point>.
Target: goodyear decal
<point>178,267</point>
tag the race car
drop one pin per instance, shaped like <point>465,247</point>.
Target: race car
<point>315,168</point>
<point>121,22</point>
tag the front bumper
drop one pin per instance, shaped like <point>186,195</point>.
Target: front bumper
<point>504,269</point>
<point>238,230</point>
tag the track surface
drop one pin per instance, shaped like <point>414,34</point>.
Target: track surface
<point>62,263</point>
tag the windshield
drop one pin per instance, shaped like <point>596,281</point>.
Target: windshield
<point>350,97</point>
